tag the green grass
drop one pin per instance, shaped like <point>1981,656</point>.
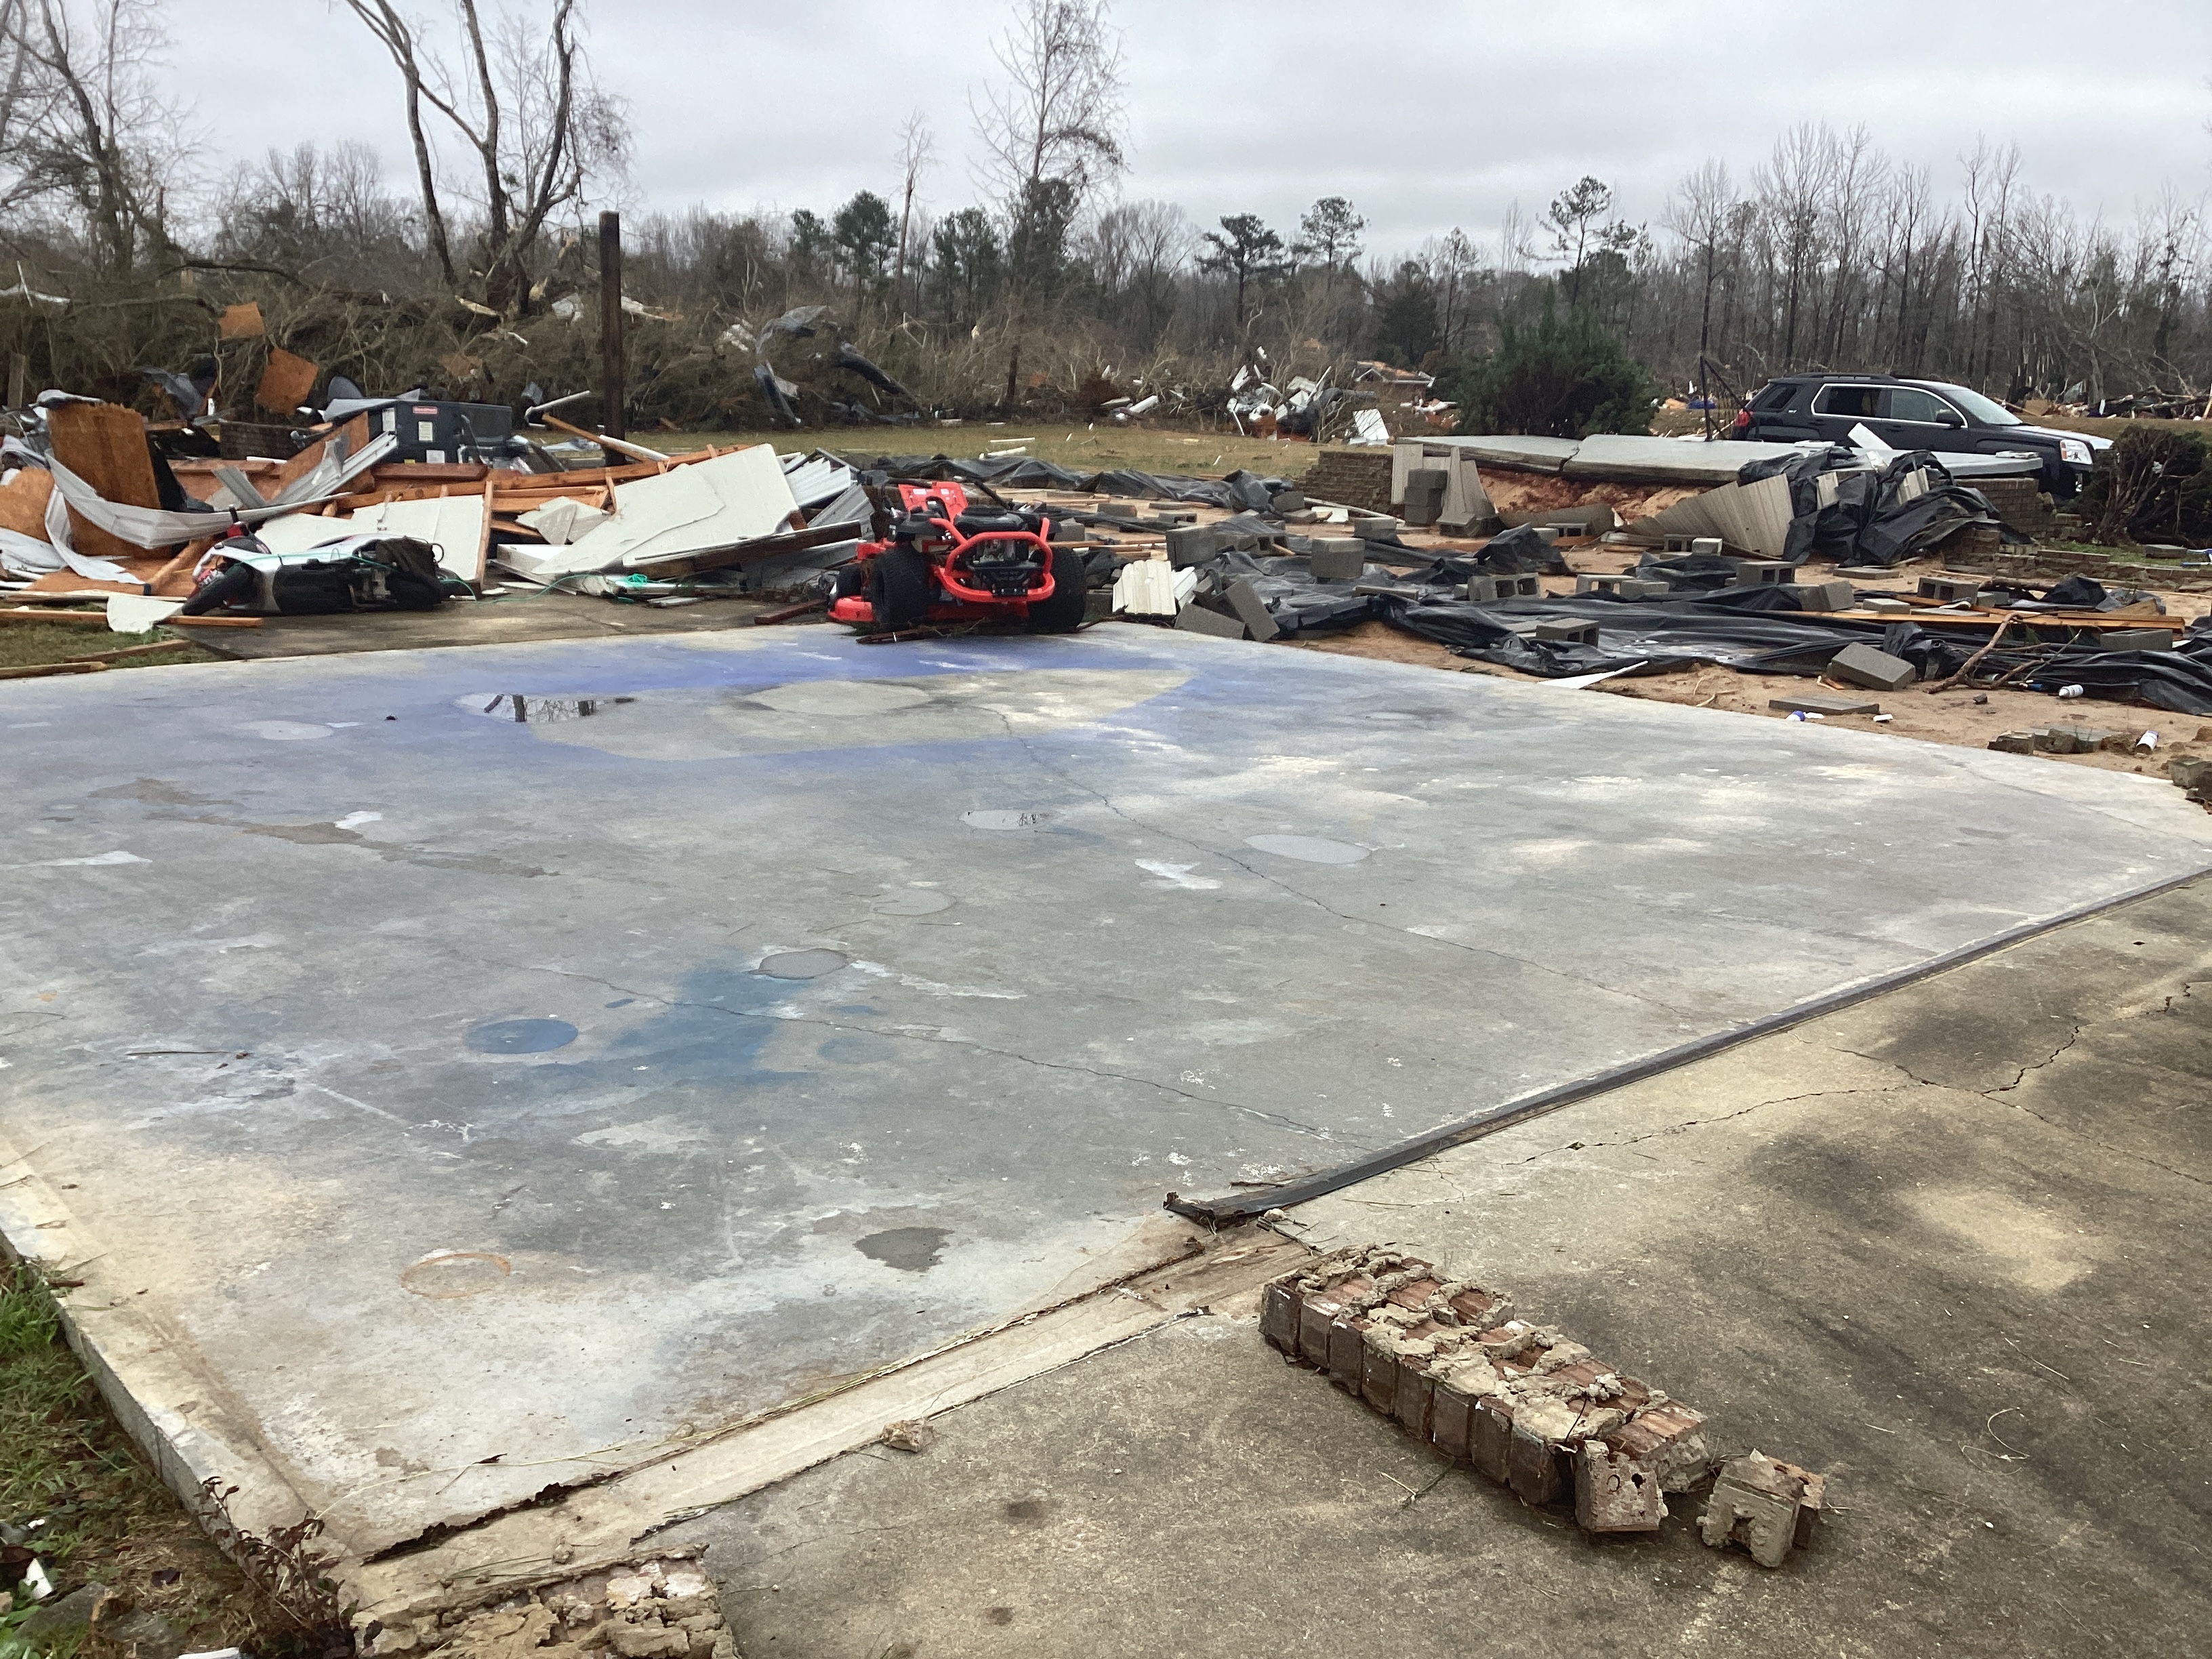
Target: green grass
<point>1072,443</point>
<point>23,645</point>
<point>106,1518</point>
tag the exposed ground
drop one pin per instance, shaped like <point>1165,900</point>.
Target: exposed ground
<point>1951,717</point>
<point>103,1516</point>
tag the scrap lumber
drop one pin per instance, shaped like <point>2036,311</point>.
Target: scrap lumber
<point>104,445</point>
<point>66,618</point>
<point>23,502</point>
<point>286,383</point>
<point>39,670</point>
<point>2090,621</point>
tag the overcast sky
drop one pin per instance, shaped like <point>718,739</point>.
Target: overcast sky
<point>1427,116</point>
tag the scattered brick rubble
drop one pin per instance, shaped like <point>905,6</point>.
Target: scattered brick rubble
<point>1764,1504</point>
<point>665,1608</point>
<point>1531,1409</point>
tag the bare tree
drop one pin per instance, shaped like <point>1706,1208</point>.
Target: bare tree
<point>1053,133</point>
<point>1700,213</point>
<point>917,154</point>
<point>528,109</point>
<point>393,35</point>
<point>88,126</point>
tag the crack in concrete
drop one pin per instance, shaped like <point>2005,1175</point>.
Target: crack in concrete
<point>2073,1037</point>
<point>1699,1122</point>
<point>1993,1096</point>
<point>1240,1108</point>
<point>2106,1146</point>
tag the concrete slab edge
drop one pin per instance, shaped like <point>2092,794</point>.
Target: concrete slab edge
<point>1246,1206</point>
<point>179,1413</point>
<point>598,1526</point>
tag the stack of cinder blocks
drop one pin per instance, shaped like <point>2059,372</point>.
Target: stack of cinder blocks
<point>1425,495</point>
<point>1530,1409</point>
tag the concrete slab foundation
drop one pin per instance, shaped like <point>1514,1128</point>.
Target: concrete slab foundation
<point>1943,1246</point>
<point>458,1074</point>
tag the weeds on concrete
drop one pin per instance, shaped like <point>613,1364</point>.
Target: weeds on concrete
<point>104,1517</point>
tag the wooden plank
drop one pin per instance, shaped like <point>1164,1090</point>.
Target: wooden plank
<point>2096,621</point>
<point>66,618</point>
<point>39,670</point>
<point>207,622</point>
<point>104,445</point>
<point>429,472</point>
<point>286,383</point>
<point>483,536</point>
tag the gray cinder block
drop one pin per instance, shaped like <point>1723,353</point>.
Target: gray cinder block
<point>1337,558</point>
<point>1862,665</point>
<point>1246,599</point>
<point>1197,619</point>
<point>1190,545</point>
<point>1820,596</point>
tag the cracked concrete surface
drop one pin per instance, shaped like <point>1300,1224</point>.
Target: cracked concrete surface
<point>1947,1246</point>
<point>419,1278</point>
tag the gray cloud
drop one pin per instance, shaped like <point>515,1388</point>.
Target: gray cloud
<point>1427,116</point>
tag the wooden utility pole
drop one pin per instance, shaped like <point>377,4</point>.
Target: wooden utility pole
<point>611,360</point>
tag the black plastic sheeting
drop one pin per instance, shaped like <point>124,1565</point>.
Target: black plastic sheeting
<point>1868,523</point>
<point>1660,636</point>
<point>1757,630</point>
<point>2179,681</point>
<point>1241,491</point>
<point>1520,551</point>
<point>1657,637</point>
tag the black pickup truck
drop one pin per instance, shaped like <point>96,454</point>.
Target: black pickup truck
<point>1912,415</point>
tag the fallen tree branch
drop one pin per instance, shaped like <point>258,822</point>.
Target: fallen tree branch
<point>1969,665</point>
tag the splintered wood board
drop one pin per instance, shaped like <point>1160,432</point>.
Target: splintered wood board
<point>104,445</point>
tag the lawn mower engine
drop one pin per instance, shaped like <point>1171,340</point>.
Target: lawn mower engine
<point>943,561</point>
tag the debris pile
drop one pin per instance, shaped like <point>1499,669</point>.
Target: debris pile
<point>665,1608</point>
<point>1445,1359</point>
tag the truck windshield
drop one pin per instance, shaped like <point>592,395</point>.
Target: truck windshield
<point>1980,410</point>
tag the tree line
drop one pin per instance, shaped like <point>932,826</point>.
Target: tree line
<point>1053,286</point>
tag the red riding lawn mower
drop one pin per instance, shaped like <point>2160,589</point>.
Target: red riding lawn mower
<point>940,561</point>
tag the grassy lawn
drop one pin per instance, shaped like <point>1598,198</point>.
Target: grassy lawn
<point>1066,443</point>
<point>104,1517</point>
<point>23,645</point>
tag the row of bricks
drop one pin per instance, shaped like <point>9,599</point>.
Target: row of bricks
<point>1449,1365</point>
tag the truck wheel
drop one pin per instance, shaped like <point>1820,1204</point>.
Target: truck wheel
<point>902,585</point>
<point>1063,612</point>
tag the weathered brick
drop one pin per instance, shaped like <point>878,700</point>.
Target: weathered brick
<point>1764,1504</point>
<point>1491,1436</point>
<point>1615,1492</point>
<point>1278,1313</point>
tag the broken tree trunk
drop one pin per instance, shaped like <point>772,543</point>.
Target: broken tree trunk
<point>611,364</point>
